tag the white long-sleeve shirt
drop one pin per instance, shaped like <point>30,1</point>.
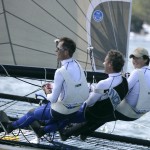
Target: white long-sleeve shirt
<point>59,86</point>
<point>134,87</point>
<point>113,80</point>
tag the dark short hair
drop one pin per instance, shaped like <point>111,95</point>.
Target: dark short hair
<point>68,44</point>
<point>117,60</point>
<point>145,57</point>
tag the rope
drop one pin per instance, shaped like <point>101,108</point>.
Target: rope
<point>5,71</point>
<point>14,102</point>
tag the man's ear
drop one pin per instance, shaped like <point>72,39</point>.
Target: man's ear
<point>66,53</point>
<point>145,60</point>
<point>110,64</point>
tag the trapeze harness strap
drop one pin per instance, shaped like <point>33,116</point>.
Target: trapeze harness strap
<point>125,109</point>
<point>114,97</point>
<point>113,94</point>
<point>76,94</point>
<point>143,104</point>
<point>111,98</point>
<point>117,94</point>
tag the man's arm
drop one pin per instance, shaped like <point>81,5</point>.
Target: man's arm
<point>133,78</point>
<point>57,87</point>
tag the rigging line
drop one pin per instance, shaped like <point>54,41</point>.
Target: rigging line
<point>17,77</point>
<point>35,79</point>
<point>86,60</point>
<point>8,33</point>
<point>11,104</point>
<point>81,49</point>
<point>25,136</point>
<point>14,102</point>
<point>49,138</point>
<point>91,58</point>
<point>26,82</point>
<point>90,63</point>
<point>5,71</point>
<point>89,22</point>
<point>59,21</point>
<point>112,26</point>
<point>6,103</point>
<point>82,61</point>
<point>33,49</point>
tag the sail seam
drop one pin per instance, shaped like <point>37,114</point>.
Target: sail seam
<point>7,28</point>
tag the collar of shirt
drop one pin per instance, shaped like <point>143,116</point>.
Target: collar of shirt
<point>114,74</point>
<point>63,62</point>
<point>145,67</point>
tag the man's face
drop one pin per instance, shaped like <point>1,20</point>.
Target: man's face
<point>107,65</point>
<point>61,52</point>
<point>138,62</point>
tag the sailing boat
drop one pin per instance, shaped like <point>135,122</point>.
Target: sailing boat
<point>28,29</point>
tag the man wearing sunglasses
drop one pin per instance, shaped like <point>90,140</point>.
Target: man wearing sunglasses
<point>70,90</point>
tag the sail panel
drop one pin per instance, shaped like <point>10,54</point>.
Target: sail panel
<point>3,33</point>
<point>30,27</point>
<point>34,25</point>
<point>5,51</point>
<point>110,26</point>
<point>1,8</point>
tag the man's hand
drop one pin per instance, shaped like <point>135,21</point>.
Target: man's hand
<point>47,88</point>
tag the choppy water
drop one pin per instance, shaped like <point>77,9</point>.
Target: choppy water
<point>139,128</point>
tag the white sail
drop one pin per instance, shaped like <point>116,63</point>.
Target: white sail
<point>28,29</point>
<point>109,24</point>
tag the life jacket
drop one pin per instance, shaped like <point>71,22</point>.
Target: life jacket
<point>77,92</point>
<point>107,106</point>
<point>143,103</point>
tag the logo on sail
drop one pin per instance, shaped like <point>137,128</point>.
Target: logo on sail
<point>98,15</point>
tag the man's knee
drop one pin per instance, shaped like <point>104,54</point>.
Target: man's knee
<point>31,110</point>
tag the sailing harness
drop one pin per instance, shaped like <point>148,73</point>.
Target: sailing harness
<point>143,103</point>
<point>114,93</point>
<point>110,99</point>
<point>77,92</point>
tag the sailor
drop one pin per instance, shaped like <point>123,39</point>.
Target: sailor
<point>137,102</point>
<point>133,106</point>
<point>70,90</point>
<point>103,100</point>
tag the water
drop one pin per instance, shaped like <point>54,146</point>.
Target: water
<point>139,128</point>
